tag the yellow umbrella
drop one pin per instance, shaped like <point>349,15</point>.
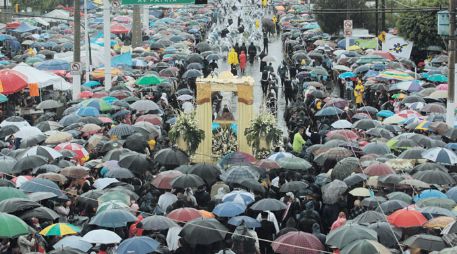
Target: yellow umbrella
<point>439,222</point>
<point>60,229</point>
<point>354,48</point>
<point>360,192</point>
<point>100,73</point>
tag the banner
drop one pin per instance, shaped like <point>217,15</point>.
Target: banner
<point>367,43</point>
<point>397,46</point>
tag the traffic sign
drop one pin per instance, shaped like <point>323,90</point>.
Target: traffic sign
<point>116,4</point>
<point>347,28</point>
<point>75,68</point>
<point>158,1</point>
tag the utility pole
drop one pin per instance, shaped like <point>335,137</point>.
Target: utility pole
<point>107,42</point>
<point>137,36</point>
<point>450,114</point>
<point>77,48</point>
<point>348,42</point>
<point>86,42</point>
<point>377,16</point>
<point>383,15</point>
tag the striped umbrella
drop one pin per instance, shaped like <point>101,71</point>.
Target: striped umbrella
<point>60,229</point>
<point>122,130</point>
<point>440,155</point>
<point>395,75</point>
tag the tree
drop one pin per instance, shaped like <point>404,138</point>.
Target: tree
<point>42,5</point>
<point>333,23</point>
<point>421,27</point>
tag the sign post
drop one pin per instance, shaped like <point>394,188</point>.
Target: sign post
<point>75,68</point>
<point>107,42</point>
<point>347,30</point>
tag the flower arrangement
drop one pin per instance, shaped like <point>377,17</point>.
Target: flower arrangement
<point>224,141</point>
<point>186,128</point>
<point>262,132</point>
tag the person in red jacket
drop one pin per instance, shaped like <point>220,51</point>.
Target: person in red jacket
<point>242,62</point>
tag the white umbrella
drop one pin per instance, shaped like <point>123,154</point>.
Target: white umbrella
<point>102,183</point>
<point>185,97</point>
<point>440,155</point>
<point>187,107</point>
<point>342,124</point>
<point>28,132</point>
<point>102,236</point>
<point>20,124</point>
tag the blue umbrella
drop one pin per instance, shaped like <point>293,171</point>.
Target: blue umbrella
<point>6,37</point>
<point>54,65</point>
<point>110,99</point>
<point>91,83</point>
<point>346,75</point>
<point>329,111</point>
<point>342,43</point>
<point>229,209</point>
<point>429,194</point>
<point>452,193</point>
<point>138,245</point>
<point>74,242</point>
<point>241,197</point>
<point>370,74</point>
<point>88,111</point>
<point>248,221</point>
<point>385,113</point>
<point>112,218</point>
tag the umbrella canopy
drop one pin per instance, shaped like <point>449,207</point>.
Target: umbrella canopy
<point>426,242</point>
<point>440,155</point>
<point>294,163</point>
<point>8,192</point>
<point>138,244</point>
<point>237,196</point>
<point>236,174</point>
<point>74,242</point>
<point>349,233</point>
<point>187,180</point>
<point>42,213</point>
<point>208,172</point>
<point>203,231</point>
<point>365,246</point>
<point>12,226</point>
<point>387,234</point>
<point>113,218</point>
<point>157,223</point>
<point>102,236</point>
<point>297,242</point>
<point>435,176</point>
<point>60,229</point>
<point>136,163</point>
<point>405,218</point>
<point>171,157</point>
<point>332,191</point>
<point>268,204</point>
<point>184,214</point>
<point>163,179</point>
<point>229,209</point>
<point>41,185</point>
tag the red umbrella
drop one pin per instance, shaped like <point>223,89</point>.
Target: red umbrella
<point>384,54</point>
<point>163,180</point>
<point>267,164</point>
<point>119,29</point>
<point>297,242</point>
<point>13,25</point>
<point>105,119</point>
<point>12,81</point>
<point>378,169</point>
<point>100,94</point>
<point>86,94</point>
<point>153,119</point>
<point>406,218</point>
<point>336,102</point>
<point>184,214</point>
<point>345,133</point>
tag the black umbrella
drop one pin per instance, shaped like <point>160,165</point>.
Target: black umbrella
<point>203,231</point>
<point>208,172</point>
<point>121,130</point>
<point>366,124</point>
<point>107,146</point>
<point>355,179</point>
<point>42,213</point>
<point>116,154</point>
<point>253,185</point>
<point>369,217</point>
<point>294,186</point>
<point>194,58</point>
<point>7,130</point>
<point>48,126</point>
<point>66,250</point>
<point>426,242</point>
<point>6,183</point>
<point>40,196</point>
<point>120,173</point>
<point>387,234</point>
<point>89,198</point>
<point>184,91</point>
<point>14,205</point>
<point>157,223</point>
<point>7,164</point>
<point>170,158</point>
<point>136,162</point>
<point>268,204</point>
<point>435,177</point>
<point>49,104</point>
<point>345,168</point>
<point>414,153</point>
<point>42,185</point>
<point>194,66</point>
<point>136,142</point>
<point>28,162</point>
<point>192,74</point>
<point>91,119</point>
<point>113,218</point>
<point>380,133</point>
<point>187,180</point>
<point>391,206</point>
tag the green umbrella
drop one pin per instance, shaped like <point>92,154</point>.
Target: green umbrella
<point>439,202</point>
<point>149,80</point>
<point>112,204</point>
<point>9,192</point>
<point>12,226</point>
<point>3,98</point>
<point>397,195</point>
<point>114,195</point>
<point>294,163</point>
<point>364,246</point>
<point>348,233</point>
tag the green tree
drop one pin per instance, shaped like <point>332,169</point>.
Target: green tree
<point>421,27</point>
<point>332,23</point>
<point>41,5</point>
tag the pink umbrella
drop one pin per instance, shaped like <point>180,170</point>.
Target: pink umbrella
<point>443,87</point>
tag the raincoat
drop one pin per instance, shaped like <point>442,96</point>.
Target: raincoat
<point>232,57</point>
<point>297,145</point>
<point>242,60</point>
<point>264,3</point>
<point>257,24</point>
<point>358,93</point>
